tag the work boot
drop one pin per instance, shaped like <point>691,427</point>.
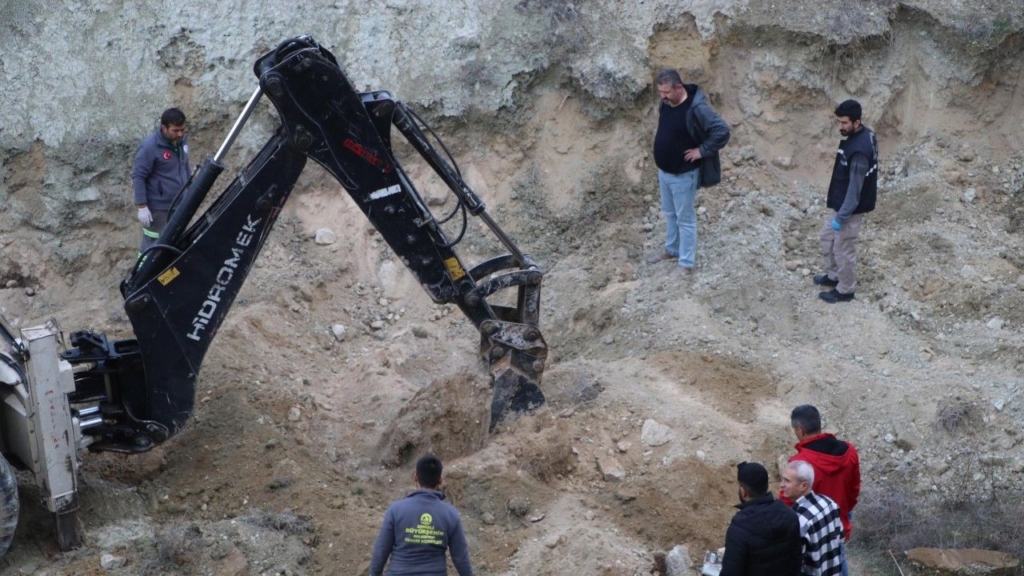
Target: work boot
<point>824,280</point>
<point>833,296</point>
<point>658,257</point>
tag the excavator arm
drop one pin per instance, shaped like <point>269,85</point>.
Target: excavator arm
<point>181,289</point>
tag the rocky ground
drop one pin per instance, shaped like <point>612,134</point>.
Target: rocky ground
<point>334,370</point>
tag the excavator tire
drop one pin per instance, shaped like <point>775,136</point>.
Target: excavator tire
<point>8,505</point>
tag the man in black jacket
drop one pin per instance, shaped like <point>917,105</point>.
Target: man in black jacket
<point>686,146</point>
<point>764,536</point>
<point>851,194</point>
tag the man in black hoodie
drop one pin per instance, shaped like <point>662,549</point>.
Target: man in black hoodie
<point>764,536</point>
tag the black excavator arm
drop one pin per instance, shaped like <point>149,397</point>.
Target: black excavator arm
<point>181,289</point>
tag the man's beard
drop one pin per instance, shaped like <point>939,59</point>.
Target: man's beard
<point>844,132</point>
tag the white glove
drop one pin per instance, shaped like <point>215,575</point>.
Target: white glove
<point>145,216</point>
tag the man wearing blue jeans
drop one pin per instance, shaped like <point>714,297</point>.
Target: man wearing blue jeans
<point>686,146</point>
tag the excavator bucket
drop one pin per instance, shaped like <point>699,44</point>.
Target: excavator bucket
<point>516,353</point>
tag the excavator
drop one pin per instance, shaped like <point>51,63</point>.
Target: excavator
<point>61,397</point>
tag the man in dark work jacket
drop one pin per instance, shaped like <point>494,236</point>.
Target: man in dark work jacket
<point>851,194</point>
<point>418,530</point>
<point>764,536</point>
<point>686,146</point>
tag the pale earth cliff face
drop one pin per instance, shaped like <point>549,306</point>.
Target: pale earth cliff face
<point>549,108</point>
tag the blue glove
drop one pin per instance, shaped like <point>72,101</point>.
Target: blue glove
<point>836,225</point>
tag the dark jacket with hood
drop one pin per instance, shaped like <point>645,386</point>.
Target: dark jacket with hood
<point>836,472</point>
<point>704,127</point>
<point>763,540</point>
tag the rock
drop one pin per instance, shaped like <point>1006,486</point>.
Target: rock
<point>625,495</point>
<point>517,507</point>
<point>554,541</point>
<point>655,433</point>
<point>325,236</point>
<point>294,414</point>
<point>420,332</point>
<point>377,325</point>
<point>623,446</point>
<point>280,483</point>
<point>783,161</point>
<point>998,403</point>
<point>966,561</point>
<point>937,466</point>
<point>339,332</point>
<point>90,194</point>
<point>932,285</point>
<point>965,153</point>
<point>995,323</point>
<point>29,291</point>
<point>743,155</point>
<point>889,438</point>
<point>791,244</point>
<point>969,195</point>
<point>610,469</point>
<point>677,561</point>
<point>111,562</point>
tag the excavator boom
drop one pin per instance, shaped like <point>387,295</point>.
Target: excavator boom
<point>182,288</point>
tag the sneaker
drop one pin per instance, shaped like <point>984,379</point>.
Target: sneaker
<point>656,257</point>
<point>824,280</point>
<point>833,296</point>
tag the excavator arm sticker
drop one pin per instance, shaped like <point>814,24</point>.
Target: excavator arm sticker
<point>455,269</point>
<point>168,275</point>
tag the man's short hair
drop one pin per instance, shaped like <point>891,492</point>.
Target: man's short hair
<point>753,477</point>
<point>428,471</point>
<point>669,76</point>
<point>172,117</point>
<point>850,109</point>
<point>806,418</point>
<point>804,471</point>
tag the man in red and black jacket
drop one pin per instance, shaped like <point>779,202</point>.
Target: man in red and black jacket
<point>836,464</point>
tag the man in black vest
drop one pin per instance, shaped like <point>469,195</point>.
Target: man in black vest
<point>851,194</point>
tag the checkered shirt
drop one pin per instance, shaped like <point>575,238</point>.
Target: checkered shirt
<point>822,533</point>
